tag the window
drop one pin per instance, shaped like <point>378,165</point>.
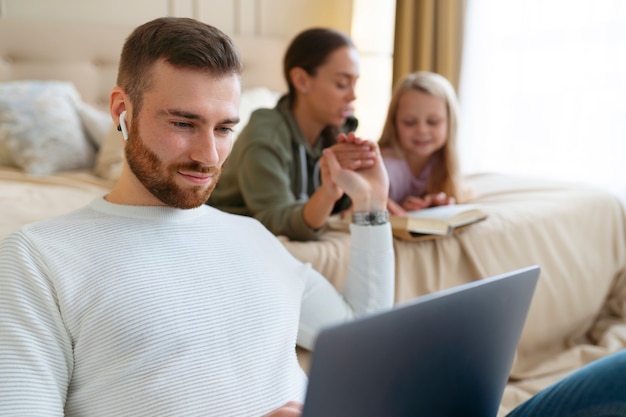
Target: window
<point>543,89</point>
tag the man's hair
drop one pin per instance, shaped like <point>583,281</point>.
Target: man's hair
<point>182,42</point>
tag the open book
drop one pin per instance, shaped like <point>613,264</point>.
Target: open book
<point>435,221</point>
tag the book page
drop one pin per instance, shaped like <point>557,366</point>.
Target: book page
<point>442,212</point>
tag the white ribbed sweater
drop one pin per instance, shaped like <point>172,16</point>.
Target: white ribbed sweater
<point>151,311</point>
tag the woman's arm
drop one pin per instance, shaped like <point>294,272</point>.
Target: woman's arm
<point>369,285</point>
<point>265,181</point>
<point>351,152</point>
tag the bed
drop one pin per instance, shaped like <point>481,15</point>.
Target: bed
<point>575,233</point>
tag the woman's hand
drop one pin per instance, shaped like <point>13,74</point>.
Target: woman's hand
<point>366,187</point>
<point>353,152</point>
<point>365,182</point>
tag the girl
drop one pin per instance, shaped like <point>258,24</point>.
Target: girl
<point>418,144</point>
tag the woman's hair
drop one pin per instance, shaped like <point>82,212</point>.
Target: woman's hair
<point>182,42</point>
<point>445,175</point>
<point>310,49</point>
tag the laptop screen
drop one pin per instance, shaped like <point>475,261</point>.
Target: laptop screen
<point>447,353</point>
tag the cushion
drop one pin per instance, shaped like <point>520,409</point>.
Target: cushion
<point>41,131</point>
<point>95,122</point>
<point>109,160</point>
<point>110,156</point>
<point>252,99</point>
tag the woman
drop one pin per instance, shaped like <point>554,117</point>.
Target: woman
<point>274,171</point>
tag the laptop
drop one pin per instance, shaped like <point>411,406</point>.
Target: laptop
<point>444,354</point>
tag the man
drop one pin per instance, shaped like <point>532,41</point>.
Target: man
<point>148,302</point>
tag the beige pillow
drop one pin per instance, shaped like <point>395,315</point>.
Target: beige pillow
<point>96,122</point>
<point>110,156</point>
<point>41,131</point>
<point>252,99</point>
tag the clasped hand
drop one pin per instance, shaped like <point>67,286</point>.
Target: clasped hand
<point>355,166</point>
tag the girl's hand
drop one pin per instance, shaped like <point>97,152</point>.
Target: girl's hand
<point>413,203</point>
<point>429,200</point>
<point>440,199</point>
<point>395,208</point>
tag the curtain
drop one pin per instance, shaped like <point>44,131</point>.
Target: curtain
<point>428,37</point>
<point>543,89</point>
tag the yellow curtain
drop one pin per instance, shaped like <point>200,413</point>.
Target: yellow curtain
<point>428,37</point>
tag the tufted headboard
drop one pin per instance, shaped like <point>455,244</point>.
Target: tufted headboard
<point>87,55</point>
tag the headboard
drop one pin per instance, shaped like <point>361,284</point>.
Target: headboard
<point>87,55</point>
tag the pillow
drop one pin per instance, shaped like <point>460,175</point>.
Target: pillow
<point>111,154</point>
<point>40,129</point>
<point>252,99</point>
<point>95,122</point>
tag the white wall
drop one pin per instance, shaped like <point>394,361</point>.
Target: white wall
<point>369,22</point>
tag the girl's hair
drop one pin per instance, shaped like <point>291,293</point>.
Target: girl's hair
<point>310,49</point>
<point>445,175</point>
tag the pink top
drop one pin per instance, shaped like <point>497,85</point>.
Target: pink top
<point>402,183</point>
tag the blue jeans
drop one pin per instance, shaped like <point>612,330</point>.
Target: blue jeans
<point>595,390</point>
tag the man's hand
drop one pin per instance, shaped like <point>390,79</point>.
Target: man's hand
<point>291,409</point>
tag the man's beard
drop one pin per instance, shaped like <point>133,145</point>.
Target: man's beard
<point>159,179</point>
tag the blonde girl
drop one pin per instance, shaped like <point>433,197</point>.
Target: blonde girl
<point>418,143</point>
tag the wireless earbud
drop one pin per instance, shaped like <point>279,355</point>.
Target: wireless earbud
<point>122,125</point>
